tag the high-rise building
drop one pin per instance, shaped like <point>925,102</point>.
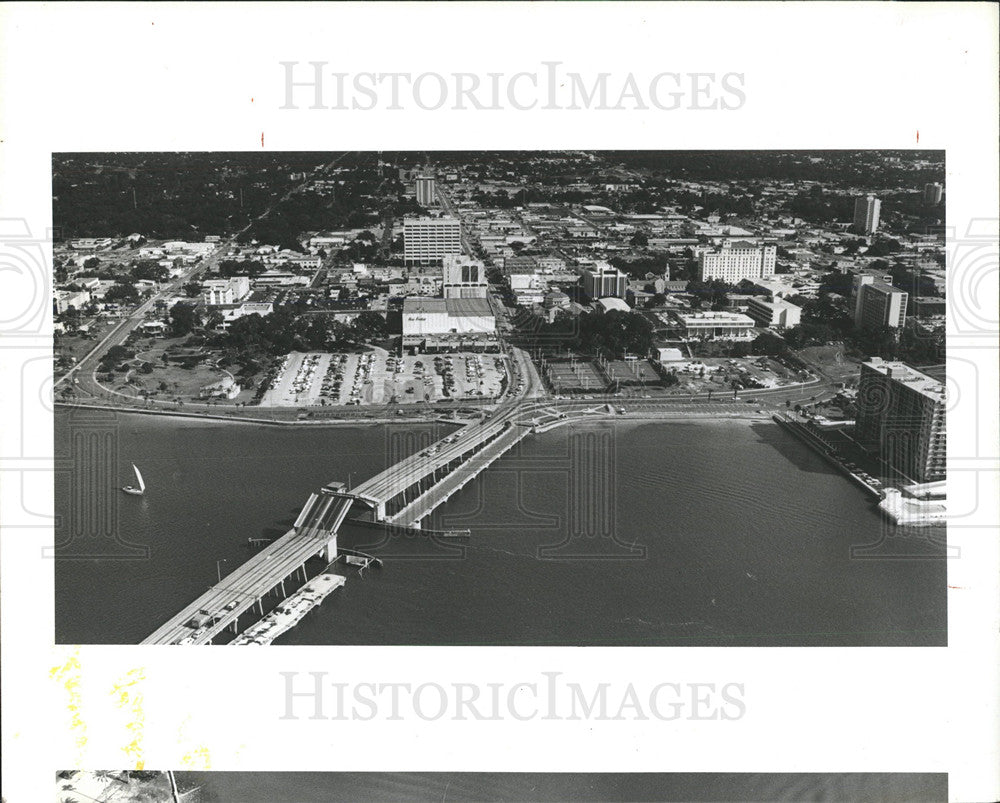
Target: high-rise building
<point>463,277</point>
<point>933,193</point>
<point>880,304</point>
<point>866,212</point>
<point>734,262</point>
<point>861,279</point>
<point>428,240</point>
<point>903,411</point>
<point>603,281</point>
<point>426,192</point>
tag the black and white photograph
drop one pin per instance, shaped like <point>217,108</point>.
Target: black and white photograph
<point>523,398</point>
<point>551,401</point>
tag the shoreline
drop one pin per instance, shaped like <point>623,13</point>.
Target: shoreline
<point>636,418</point>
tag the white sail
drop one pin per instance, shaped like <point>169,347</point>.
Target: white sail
<point>138,476</point>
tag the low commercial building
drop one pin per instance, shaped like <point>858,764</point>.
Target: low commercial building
<point>62,300</point>
<point>262,308</point>
<point>715,325</point>
<point>225,388</point>
<point>777,314</point>
<point>430,322</point>
<point>611,304</point>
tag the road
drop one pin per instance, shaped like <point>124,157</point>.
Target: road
<point>87,366</point>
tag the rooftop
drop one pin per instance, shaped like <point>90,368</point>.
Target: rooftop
<point>909,377</point>
<point>451,306</point>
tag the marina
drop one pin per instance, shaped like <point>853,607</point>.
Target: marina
<point>291,611</point>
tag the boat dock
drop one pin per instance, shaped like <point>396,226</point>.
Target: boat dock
<point>291,611</point>
<point>821,447</point>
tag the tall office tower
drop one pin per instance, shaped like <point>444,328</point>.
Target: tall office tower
<point>426,193</point>
<point>463,277</point>
<point>866,211</point>
<point>861,279</point>
<point>880,304</point>
<point>903,411</point>
<point>933,193</point>
<point>603,281</point>
<point>428,240</point>
<point>734,262</point>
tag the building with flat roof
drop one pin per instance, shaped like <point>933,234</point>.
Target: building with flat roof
<point>428,240</point>
<point>220,292</point>
<point>733,262</point>
<point>933,193</point>
<point>776,314</point>
<point>866,213</point>
<point>902,410</point>
<point>448,324</point>
<point>880,304</point>
<point>603,281</point>
<point>463,277</point>
<point>715,325</point>
<point>426,192</point>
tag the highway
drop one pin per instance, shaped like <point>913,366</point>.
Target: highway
<point>239,591</point>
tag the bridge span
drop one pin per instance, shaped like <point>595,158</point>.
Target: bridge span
<point>403,494</point>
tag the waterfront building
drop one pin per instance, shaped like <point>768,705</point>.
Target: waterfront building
<point>733,262</point>
<point>448,324</point>
<point>902,410</point>
<point>866,212</point>
<point>428,240</point>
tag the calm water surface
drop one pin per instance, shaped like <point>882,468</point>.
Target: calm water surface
<point>721,533</point>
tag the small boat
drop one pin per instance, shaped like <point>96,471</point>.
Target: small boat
<point>138,478</point>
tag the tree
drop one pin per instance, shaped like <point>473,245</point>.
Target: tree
<point>192,289</point>
<point>369,325</point>
<point>639,240</point>
<point>768,343</point>
<point>183,318</point>
<point>122,290</point>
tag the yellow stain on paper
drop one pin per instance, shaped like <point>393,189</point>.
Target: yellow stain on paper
<point>197,758</point>
<point>128,696</point>
<point>68,674</point>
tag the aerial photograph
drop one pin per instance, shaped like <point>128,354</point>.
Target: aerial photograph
<point>614,398</point>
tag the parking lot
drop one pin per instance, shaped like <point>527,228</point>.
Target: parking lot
<point>376,377</point>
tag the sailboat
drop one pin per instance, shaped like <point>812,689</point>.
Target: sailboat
<point>138,478</point>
